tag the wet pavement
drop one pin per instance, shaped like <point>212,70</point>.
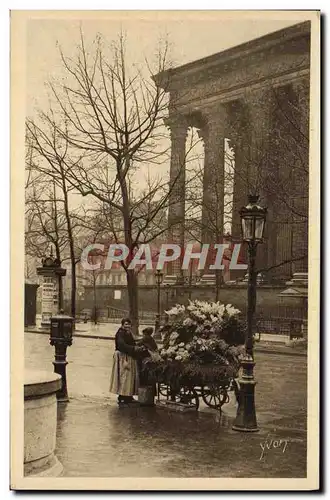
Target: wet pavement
<point>100,440</point>
<point>97,439</point>
<point>108,330</point>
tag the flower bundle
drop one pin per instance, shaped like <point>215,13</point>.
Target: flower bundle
<point>204,333</point>
<point>202,344</point>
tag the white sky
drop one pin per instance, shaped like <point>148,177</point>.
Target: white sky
<point>191,34</point>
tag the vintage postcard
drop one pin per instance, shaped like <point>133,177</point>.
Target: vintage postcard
<point>165,238</point>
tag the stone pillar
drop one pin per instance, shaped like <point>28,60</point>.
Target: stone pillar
<point>40,423</point>
<point>240,197</point>
<point>240,188</point>
<point>300,178</point>
<point>178,126</point>
<point>213,134</point>
<point>261,166</point>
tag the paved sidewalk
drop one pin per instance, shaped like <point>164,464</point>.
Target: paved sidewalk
<point>100,331</point>
<point>106,331</point>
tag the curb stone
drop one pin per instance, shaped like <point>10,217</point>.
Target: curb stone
<point>267,348</point>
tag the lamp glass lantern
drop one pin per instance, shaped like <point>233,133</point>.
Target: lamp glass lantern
<point>159,277</point>
<point>253,218</point>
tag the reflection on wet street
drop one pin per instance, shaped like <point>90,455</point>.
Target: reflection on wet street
<point>97,439</point>
<point>100,440</point>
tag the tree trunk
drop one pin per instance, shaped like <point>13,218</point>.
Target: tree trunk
<point>132,288</point>
<point>73,290</point>
<point>60,293</point>
<point>95,303</point>
<point>57,251</point>
<point>217,284</point>
<point>71,244</point>
<point>60,283</point>
<point>132,280</point>
<point>190,280</point>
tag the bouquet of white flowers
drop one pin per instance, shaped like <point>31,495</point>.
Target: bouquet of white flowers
<point>203,342</point>
<point>204,332</point>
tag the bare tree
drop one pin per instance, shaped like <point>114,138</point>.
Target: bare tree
<point>94,230</point>
<point>47,164</point>
<point>45,224</point>
<point>112,120</point>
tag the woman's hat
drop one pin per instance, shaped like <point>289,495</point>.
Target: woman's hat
<point>148,331</point>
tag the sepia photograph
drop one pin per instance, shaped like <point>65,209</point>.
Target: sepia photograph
<point>165,238</point>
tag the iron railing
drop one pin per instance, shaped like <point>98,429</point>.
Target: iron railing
<point>279,325</point>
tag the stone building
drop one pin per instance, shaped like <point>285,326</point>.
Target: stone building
<point>255,97</point>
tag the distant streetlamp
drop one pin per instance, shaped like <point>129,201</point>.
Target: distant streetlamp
<point>167,291</point>
<point>253,219</point>
<point>159,279</point>
<point>190,280</point>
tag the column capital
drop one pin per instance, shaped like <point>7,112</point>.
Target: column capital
<point>178,126</point>
<point>215,120</point>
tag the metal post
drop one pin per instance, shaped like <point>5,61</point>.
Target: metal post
<point>158,300</point>
<point>61,337</point>
<point>190,280</point>
<point>60,363</point>
<point>252,293</point>
<point>246,419</point>
<point>157,322</point>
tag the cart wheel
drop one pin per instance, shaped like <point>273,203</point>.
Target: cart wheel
<point>189,396</point>
<point>163,390</point>
<point>214,396</point>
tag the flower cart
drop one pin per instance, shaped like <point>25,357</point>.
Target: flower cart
<point>200,358</point>
<point>186,383</point>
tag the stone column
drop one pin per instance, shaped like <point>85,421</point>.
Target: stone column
<point>260,166</point>
<point>240,196</point>
<point>213,134</point>
<point>240,188</point>
<point>300,177</point>
<point>178,126</point>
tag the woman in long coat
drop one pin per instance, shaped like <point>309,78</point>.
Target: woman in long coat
<point>124,379</point>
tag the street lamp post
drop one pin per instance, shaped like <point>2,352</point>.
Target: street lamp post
<point>159,279</point>
<point>167,291</point>
<point>253,219</point>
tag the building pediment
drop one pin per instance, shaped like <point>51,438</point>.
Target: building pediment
<point>283,55</point>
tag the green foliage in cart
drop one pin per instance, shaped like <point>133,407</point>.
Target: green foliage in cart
<point>177,374</point>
